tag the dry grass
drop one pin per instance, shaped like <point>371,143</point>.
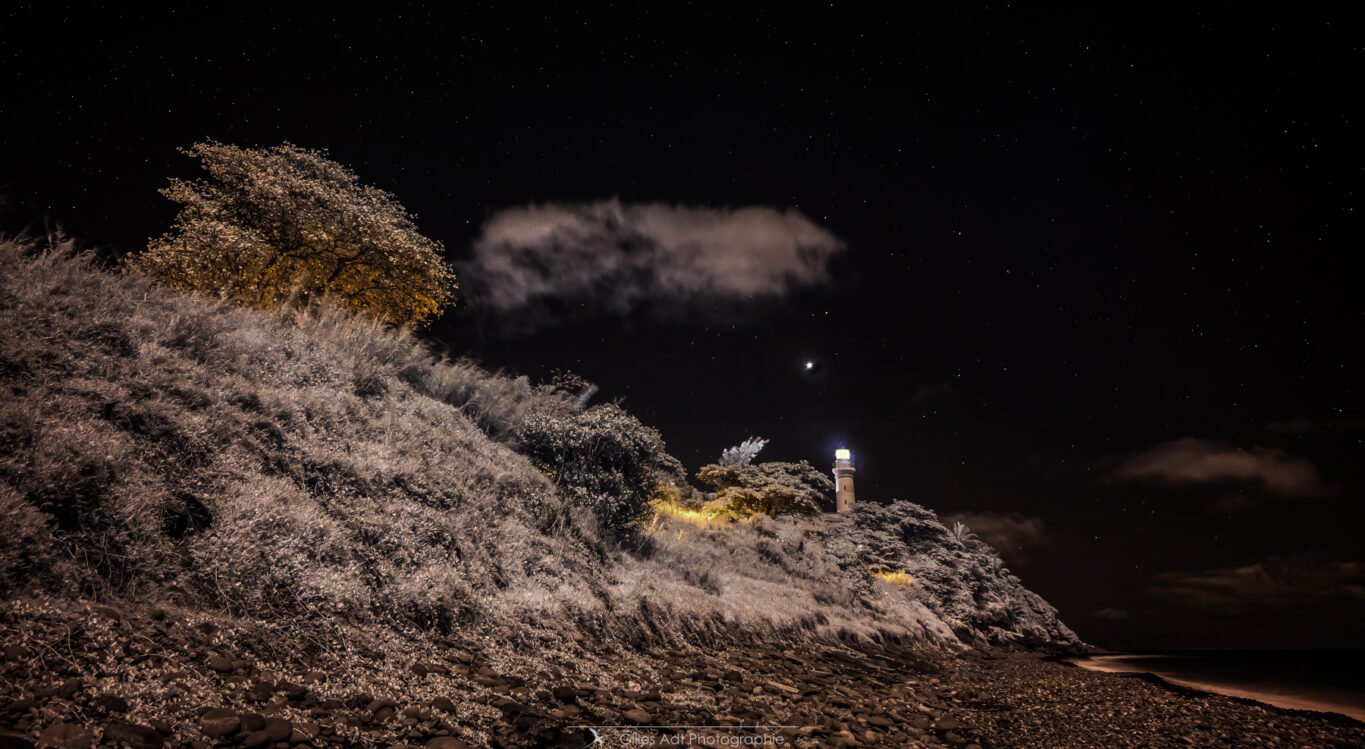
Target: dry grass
<point>312,468</point>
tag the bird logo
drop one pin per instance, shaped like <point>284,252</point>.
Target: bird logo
<point>596,738</point>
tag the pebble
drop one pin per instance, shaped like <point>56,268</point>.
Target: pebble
<point>447,742</point>
<point>132,734</point>
<point>63,736</point>
<point>112,703</point>
<point>217,722</point>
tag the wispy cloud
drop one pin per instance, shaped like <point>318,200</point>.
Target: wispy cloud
<point>538,265</point>
<point>933,393</point>
<point>1277,581</point>
<point>1196,461</point>
<point>1303,426</point>
<point>1111,614</point>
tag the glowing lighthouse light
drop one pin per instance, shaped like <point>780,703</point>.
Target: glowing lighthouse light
<point>843,480</point>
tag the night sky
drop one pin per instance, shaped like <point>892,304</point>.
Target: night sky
<point>1098,283</point>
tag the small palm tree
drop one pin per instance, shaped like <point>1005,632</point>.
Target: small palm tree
<point>744,453</point>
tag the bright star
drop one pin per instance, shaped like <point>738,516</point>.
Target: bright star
<point>810,365</point>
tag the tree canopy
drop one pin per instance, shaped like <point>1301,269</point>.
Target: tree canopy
<point>771,488</point>
<point>274,225</point>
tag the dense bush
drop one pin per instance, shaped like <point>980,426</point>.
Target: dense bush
<point>282,223</point>
<point>600,457</point>
<point>965,582</point>
<point>771,488</point>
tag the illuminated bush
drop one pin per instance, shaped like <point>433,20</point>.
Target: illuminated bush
<point>768,488</point>
<point>895,577</point>
<point>698,516</point>
<point>274,225</point>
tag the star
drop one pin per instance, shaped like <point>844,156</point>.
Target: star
<point>810,365</point>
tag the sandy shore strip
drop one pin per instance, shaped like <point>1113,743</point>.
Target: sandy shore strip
<point>1289,699</point>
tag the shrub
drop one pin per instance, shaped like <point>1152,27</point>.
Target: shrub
<point>601,457</point>
<point>965,583</point>
<point>769,488</point>
<point>272,225</point>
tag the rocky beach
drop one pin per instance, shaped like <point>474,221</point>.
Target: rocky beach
<point>78,676</point>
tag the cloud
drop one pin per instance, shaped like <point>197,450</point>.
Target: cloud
<point>1018,537</point>
<point>1301,426</point>
<point>1111,614</point>
<point>1278,581</point>
<point>932,393</point>
<point>1194,461</point>
<point>538,265</point>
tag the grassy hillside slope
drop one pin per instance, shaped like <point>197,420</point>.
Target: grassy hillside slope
<point>320,469</point>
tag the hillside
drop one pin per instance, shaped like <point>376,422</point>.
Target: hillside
<point>307,492</point>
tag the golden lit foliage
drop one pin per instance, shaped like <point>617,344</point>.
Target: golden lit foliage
<point>275,225</point>
<point>700,517</point>
<point>768,488</point>
<point>898,577</point>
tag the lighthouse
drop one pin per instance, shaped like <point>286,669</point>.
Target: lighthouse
<point>843,480</point>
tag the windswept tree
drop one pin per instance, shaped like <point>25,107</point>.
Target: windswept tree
<point>274,225</point>
<point>771,488</point>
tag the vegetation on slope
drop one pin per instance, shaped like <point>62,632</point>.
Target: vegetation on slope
<point>306,464</point>
<point>274,225</point>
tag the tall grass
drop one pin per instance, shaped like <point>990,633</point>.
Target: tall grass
<point>315,466</point>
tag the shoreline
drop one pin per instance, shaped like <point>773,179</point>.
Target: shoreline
<point>124,672</point>
<point>1098,664</point>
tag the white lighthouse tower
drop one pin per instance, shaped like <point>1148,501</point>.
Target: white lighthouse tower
<point>843,480</point>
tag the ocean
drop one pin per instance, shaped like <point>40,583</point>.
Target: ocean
<point>1329,681</point>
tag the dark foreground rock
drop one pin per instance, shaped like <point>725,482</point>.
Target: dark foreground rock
<point>76,677</point>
